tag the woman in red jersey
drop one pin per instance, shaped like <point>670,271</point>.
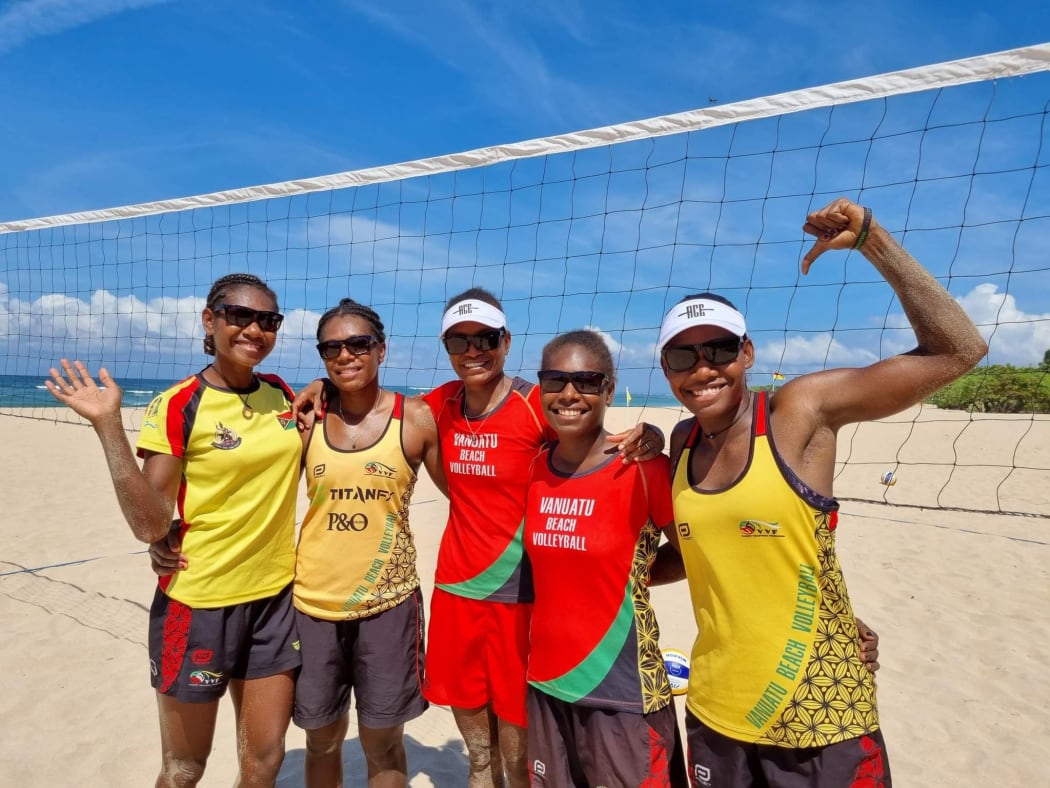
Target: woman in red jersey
<point>599,702</point>
<point>219,450</point>
<point>491,427</point>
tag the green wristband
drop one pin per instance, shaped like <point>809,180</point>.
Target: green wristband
<point>865,227</point>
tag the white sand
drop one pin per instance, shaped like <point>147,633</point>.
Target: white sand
<point>959,600</point>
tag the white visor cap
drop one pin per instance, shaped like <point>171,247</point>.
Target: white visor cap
<point>700,312</point>
<point>472,311</point>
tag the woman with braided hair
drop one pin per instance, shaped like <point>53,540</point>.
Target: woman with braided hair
<point>220,453</point>
<point>358,605</point>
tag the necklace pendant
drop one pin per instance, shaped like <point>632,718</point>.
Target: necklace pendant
<point>247,411</point>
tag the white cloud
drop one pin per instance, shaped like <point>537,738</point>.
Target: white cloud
<point>1013,335</point>
<point>23,21</point>
<point>819,351</point>
<point>123,332</point>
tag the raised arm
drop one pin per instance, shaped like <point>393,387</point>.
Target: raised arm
<point>146,495</point>
<point>948,342</point>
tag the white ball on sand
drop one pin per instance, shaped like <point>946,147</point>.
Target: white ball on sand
<point>677,665</point>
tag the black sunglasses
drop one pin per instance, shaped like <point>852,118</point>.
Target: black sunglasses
<point>357,345</point>
<point>484,340</point>
<point>554,380</point>
<point>682,358</point>
<point>242,317</point>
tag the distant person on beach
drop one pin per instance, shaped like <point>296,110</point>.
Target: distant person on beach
<point>777,696</point>
<point>599,702</point>
<point>491,427</point>
<point>221,452</point>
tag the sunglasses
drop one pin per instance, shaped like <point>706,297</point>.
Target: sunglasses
<point>357,345</point>
<point>242,317</point>
<point>554,380</point>
<point>682,358</point>
<point>485,340</point>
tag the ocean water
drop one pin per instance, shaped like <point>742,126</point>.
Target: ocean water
<point>27,391</point>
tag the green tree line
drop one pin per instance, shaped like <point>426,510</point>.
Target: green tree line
<point>999,388</point>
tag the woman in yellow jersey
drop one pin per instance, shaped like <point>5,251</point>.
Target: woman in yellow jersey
<point>358,605</point>
<point>777,696</point>
<point>221,452</point>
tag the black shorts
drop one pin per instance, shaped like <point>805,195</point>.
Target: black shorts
<point>717,761</point>
<point>573,745</point>
<point>379,657</point>
<point>194,652</point>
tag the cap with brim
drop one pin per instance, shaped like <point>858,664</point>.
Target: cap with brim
<point>700,312</point>
<point>472,311</point>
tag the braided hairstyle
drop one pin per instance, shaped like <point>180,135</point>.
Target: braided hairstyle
<point>219,290</point>
<point>591,341</point>
<point>350,307</point>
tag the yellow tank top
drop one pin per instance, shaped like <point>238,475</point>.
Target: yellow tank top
<point>775,659</point>
<point>356,556</point>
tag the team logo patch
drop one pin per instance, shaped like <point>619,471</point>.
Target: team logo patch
<point>205,678</point>
<point>379,469</point>
<point>319,471</point>
<point>286,421</point>
<point>684,530</point>
<point>202,656</point>
<point>752,528</point>
<point>225,438</point>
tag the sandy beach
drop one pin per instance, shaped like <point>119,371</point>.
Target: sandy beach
<point>959,600</point>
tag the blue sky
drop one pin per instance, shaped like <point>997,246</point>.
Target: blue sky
<point>112,102</point>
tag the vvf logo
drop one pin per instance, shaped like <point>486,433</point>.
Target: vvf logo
<point>379,469</point>
<point>205,678</point>
<point>759,528</point>
<point>702,775</point>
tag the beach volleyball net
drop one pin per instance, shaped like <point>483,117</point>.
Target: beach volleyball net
<point>607,228</point>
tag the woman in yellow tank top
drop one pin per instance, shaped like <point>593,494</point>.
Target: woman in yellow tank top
<point>358,605</point>
<point>777,696</point>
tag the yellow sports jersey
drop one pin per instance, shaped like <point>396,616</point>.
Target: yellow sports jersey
<point>356,556</point>
<point>775,659</point>
<point>238,493</point>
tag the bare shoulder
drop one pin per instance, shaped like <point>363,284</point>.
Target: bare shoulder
<point>419,414</point>
<point>679,435</point>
